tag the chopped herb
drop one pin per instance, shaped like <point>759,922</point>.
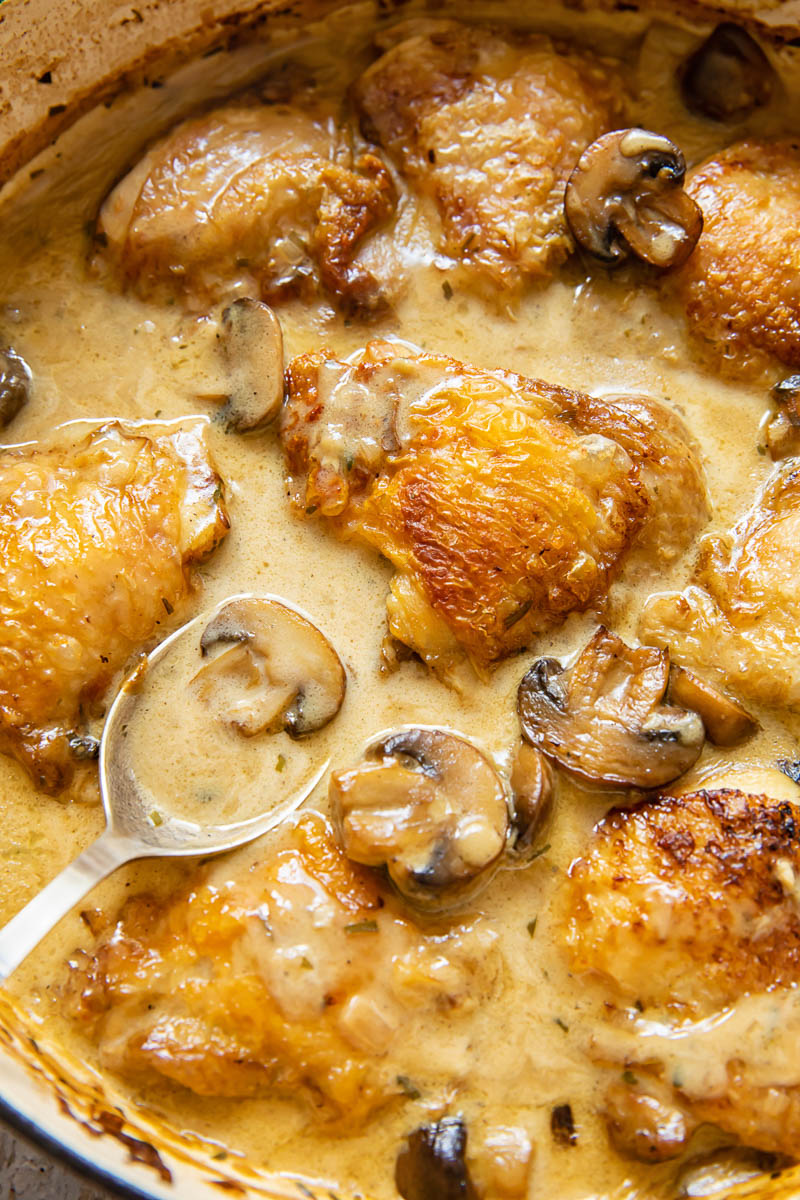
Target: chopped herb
<point>531,927</point>
<point>306,964</point>
<point>447,290</point>
<point>408,1087</point>
<point>628,1077</point>
<point>562,1125</point>
<point>280,763</point>
<point>561,1024</point>
<point>312,508</point>
<point>639,1005</point>
<point>362,927</point>
<point>348,462</point>
<point>170,609</point>
<point>677,1079</point>
<point>155,817</point>
<point>219,1154</point>
<point>762,450</point>
<point>158,412</point>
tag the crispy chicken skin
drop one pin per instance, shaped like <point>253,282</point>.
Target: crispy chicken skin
<point>504,503</point>
<point>680,904</point>
<point>293,977</point>
<point>741,286</point>
<point>272,194</point>
<point>740,616</point>
<point>688,906</point>
<point>97,534</point>
<point>489,128</point>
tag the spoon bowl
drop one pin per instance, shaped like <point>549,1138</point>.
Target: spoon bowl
<point>131,832</point>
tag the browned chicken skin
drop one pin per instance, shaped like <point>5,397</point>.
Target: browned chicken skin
<point>741,286</point>
<point>97,532</point>
<point>489,127</point>
<point>292,978</point>
<point>504,503</point>
<point>687,907</point>
<point>739,618</point>
<point>273,195</point>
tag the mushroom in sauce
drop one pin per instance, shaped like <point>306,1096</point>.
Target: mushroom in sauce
<point>783,428</point>
<point>625,196</point>
<point>270,668</point>
<point>251,343</point>
<point>430,807</point>
<point>642,1126</point>
<point>15,384</point>
<point>533,786</point>
<point>604,719</point>
<point>728,76</point>
<point>726,722</point>
<point>432,1164</point>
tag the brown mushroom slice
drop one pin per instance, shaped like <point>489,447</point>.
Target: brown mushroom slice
<point>727,76</point>
<point>15,384</point>
<point>783,428</point>
<point>270,669</point>
<point>251,343</point>
<point>430,807</point>
<point>625,196</point>
<point>726,722</point>
<point>644,1127</point>
<point>604,719</point>
<point>532,785</point>
<point>432,1164</point>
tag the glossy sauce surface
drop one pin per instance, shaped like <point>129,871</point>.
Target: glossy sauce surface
<point>97,353</point>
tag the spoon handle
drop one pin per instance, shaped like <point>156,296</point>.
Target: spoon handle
<point>24,931</point>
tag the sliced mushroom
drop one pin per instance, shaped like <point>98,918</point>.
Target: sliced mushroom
<point>783,429</point>
<point>432,1164</point>
<point>644,1127</point>
<point>270,669</point>
<point>604,719</point>
<point>728,76</point>
<point>625,196</point>
<point>252,347</point>
<point>430,807</point>
<point>533,785</point>
<point>725,721</point>
<point>15,385</point>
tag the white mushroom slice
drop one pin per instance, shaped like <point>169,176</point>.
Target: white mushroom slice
<point>604,719</point>
<point>251,342</point>
<point>430,807</point>
<point>271,669</point>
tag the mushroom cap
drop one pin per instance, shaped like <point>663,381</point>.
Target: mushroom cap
<point>15,384</point>
<point>604,719</point>
<point>533,787</point>
<point>727,76</point>
<point>625,196</point>
<point>430,807</point>
<point>251,342</point>
<point>270,668</point>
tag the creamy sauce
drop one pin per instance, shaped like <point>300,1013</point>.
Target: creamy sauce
<point>97,353</point>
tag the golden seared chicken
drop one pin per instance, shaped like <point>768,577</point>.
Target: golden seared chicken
<point>688,910</point>
<point>292,977</point>
<point>272,196</point>
<point>97,534</point>
<point>740,617</point>
<point>741,285</point>
<point>489,127</point>
<point>503,503</point>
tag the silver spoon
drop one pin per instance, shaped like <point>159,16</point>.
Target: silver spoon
<point>129,832</point>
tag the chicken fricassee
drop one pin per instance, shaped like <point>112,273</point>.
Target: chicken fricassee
<point>475,343</point>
